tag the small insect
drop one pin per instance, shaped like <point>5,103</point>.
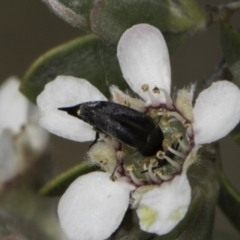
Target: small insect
<point>129,126</point>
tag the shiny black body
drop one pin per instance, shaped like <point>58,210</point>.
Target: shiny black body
<point>125,124</point>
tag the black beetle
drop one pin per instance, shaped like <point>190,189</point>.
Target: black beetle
<point>125,124</point>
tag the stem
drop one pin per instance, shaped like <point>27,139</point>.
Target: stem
<point>220,71</point>
<point>229,199</point>
<point>221,12</point>
<point>228,196</point>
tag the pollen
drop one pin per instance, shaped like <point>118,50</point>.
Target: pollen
<point>147,215</point>
<point>184,102</point>
<point>104,155</point>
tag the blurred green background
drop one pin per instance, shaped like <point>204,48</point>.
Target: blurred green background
<point>28,29</point>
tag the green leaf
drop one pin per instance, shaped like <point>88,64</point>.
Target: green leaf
<point>235,134</point>
<point>198,222</point>
<point>229,201</point>
<point>230,41</point>
<point>24,213</point>
<point>58,185</point>
<point>174,40</point>
<point>110,18</point>
<point>85,57</point>
<point>74,12</point>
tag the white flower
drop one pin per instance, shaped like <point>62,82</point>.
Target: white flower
<point>21,138</point>
<point>144,60</point>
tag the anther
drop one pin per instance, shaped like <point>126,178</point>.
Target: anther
<point>160,155</point>
<point>103,162</point>
<point>156,90</point>
<point>113,178</point>
<point>126,103</point>
<point>166,144</point>
<point>145,87</point>
<point>154,101</point>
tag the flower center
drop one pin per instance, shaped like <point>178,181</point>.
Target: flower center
<point>123,161</point>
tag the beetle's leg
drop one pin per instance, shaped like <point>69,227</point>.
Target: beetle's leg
<point>95,140</point>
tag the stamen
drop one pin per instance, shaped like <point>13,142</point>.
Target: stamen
<point>178,137</point>
<point>156,178</point>
<point>160,113</point>
<point>130,169</point>
<point>172,120</point>
<point>153,163</point>
<point>184,146</point>
<point>154,101</point>
<point>163,177</point>
<point>189,131</point>
<point>181,155</point>
<point>176,165</point>
<point>145,170</point>
<point>164,120</point>
<point>177,116</point>
<point>169,104</point>
<point>161,155</point>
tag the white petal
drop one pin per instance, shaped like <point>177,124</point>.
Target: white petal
<point>37,138</point>
<point>162,208</point>
<point>13,106</point>
<point>216,112</point>
<point>93,207</point>
<point>9,161</point>
<point>66,91</point>
<point>144,59</point>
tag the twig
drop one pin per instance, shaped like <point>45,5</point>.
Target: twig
<point>220,12</point>
<point>220,72</point>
